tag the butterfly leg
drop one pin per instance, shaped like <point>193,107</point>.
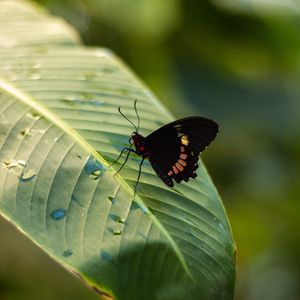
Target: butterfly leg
<point>138,178</point>
<point>126,159</point>
<point>121,153</point>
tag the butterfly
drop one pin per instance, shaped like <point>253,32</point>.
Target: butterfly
<point>173,150</point>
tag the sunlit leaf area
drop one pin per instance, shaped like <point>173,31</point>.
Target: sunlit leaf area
<point>69,227</point>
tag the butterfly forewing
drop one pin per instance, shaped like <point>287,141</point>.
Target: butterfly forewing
<point>174,148</point>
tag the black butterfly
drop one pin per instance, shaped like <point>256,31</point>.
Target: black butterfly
<point>173,150</point>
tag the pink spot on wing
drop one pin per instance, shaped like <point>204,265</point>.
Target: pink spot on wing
<point>181,149</point>
<point>170,173</point>
<point>175,170</point>
<point>179,167</point>
<point>183,156</point>
<point>182,162</point>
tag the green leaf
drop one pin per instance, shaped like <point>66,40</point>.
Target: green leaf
<point>60,130</point>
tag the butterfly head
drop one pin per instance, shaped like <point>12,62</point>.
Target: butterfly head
<point>136,138</point>
<point>139,143</point>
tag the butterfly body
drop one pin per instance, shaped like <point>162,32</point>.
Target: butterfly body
<point>139,144</point>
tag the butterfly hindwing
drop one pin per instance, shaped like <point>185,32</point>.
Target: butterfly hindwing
<point>161,171</point>
<point>174,148</point>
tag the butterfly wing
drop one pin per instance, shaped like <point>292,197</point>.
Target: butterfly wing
<point>174,148</point>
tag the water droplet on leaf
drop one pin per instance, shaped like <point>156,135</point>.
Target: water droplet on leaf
<point>25,132</point>
<point>134,206</point>
<point>122,220</point>
<point>94,169</point>
<point>112,200</point>
<point>116,218</point>
<point>58,214</point>
<point>35,115</point>
<point>68,102</point>
<point>117,232</point>
<point>96,103</point>
<point>68,253</point>
<point>106,256</point>
<point>27,175</point>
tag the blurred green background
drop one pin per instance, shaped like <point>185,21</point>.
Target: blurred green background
<point>236,61</point>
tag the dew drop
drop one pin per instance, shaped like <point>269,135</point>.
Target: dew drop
<point>94,169</point>
<point>25,132</point>
<point>106,256</point>
<point>112,200</point>
<point>96,103</point>
<point>68,253</point>
<point>27,175</point>
<point>134,206</point>
<point>35,115</point>
<point>117,232</point>
<point>116,218</point>
<point>58,214</point>
<point>95,174</point>
<point>122,220</point>
<point>68,102</point>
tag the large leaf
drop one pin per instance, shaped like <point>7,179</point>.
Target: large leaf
<point>60,129</point>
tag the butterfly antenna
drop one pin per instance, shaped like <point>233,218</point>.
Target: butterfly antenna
<point>137,115</point>
<point>119,109</point>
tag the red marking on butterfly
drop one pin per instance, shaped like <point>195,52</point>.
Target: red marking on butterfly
<point>173,150</point>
